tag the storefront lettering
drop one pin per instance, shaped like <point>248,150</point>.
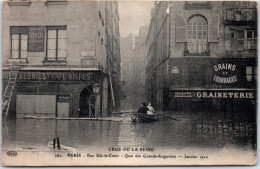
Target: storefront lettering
<point>225,75</point>
<point>215,94</point>
<point>219,79</point>
<point>236,95</point>
<point>225,66</point>
<point>62,98</point>
<point>182,94</point>
<point>56,76</point>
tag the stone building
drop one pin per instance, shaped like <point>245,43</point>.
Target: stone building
<point>67,54</point>
<point>140,62</point>
<point>202,56</point>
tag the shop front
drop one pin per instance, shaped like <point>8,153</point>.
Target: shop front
<point>58,93</point>
<point>213,84</point>
<point>224,100</point>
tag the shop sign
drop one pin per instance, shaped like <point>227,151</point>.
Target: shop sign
<point>63,98</point>
<point>225,73</point>
<point>175,70</point>
<point>214,94</point>
<point>36,39</point>
<point>56,76</point>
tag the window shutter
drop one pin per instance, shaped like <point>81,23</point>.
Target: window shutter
<point>181,29</point>
<point>213,29</point>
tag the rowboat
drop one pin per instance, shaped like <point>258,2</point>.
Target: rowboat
<point>145,118</point>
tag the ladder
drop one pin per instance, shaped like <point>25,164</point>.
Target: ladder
<point>9,90</point>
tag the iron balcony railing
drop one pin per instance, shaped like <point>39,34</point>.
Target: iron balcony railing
<point>196,49</point>
<point>240,14</point>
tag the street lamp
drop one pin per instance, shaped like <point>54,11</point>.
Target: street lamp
<point>96,88</point>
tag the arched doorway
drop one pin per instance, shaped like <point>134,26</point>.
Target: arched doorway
<point>87,102</point>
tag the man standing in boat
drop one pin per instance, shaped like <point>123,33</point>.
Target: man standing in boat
<point>143,109</point>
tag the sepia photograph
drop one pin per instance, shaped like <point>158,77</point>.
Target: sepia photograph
<point>129,83</point>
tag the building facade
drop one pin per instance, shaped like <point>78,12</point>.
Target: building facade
<point>202,56</point>
<point>68,53</point>
<point>127,63</point>
<point>139,69</point>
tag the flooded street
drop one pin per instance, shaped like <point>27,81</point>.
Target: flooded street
<point>194,130</point>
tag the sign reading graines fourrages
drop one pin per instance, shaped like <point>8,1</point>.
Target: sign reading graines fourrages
<point>36,39</point>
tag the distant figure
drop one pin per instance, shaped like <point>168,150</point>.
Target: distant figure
<point>143,109</point>
<point>150,109</point>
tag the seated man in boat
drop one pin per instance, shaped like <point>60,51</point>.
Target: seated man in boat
<point>143,109</point>
<point>150,109</point>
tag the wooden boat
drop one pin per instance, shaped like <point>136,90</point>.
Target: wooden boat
<point>139,117</point>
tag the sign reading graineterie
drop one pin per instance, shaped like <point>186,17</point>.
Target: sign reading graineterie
<point>215,94</point>
<point>36,38</point>
<point>65,76</point>
<point>225,73</point>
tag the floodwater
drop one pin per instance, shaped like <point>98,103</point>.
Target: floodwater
<point>193,130</point>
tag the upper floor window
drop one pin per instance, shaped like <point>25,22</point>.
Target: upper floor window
<point>197,35</point>
<point>19,41</point>
<point>56,43</point>
<point>243,39</point>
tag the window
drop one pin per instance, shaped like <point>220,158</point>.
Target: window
<point>56,43</point>
<point>197,35</point>
<point>237,15</point>
<point>240,39</point>
<point>232,34</point>
<point>250,40</point>
<point>19,42</point>
<point>244,3</point>
<point>244,39</point>
<point>251,73</point>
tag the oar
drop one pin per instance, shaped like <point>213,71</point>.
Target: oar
<point>168,116</point>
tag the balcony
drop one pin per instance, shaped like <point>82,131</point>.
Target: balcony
<point>196,49</point>
<point>197,5</point>
<point>240,16</point>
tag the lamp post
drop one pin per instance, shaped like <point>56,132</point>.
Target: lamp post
<point>96,89</point>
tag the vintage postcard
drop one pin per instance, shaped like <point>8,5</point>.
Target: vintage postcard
<point>129,83</point>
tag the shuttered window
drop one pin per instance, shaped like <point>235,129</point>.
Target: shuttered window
<point>213,29</point>
<point>181,28</point>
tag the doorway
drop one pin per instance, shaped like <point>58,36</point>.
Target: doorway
<point>87,103</point>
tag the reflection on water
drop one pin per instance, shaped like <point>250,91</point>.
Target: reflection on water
<point>193,130</point>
